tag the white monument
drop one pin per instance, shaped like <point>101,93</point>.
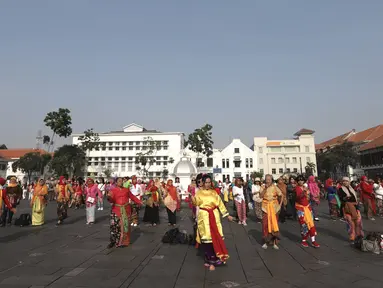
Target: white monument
<point>185,170</point>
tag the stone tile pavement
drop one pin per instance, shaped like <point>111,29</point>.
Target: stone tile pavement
<point>75,255</point>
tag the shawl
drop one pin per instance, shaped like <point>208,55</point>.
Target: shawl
<point>172,190</point>
<point>153,190</point>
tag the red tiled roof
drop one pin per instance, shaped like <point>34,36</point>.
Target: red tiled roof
<point>378,142</point>
<point>334,141</point>
<point>17,153</point>
<point>367,135</point>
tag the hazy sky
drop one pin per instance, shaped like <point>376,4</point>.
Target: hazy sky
<point>249,68</point>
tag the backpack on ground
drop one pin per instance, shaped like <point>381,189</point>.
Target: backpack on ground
<point>23,220</point>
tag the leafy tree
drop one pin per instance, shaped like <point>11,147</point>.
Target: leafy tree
<point>29,163</point>
<point>107,172</point>
<point>68,159</point>
<point>89,141</point>
<point>256,174</point>
<point>335,161</point>
<point>310,169</point>
<point>60,123</point>
<point>165,174</point>
<point>145,160</point>
<point>200,141</point>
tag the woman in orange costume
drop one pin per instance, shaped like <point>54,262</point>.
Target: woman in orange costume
<point>271,205</point>
<point>62,198</point>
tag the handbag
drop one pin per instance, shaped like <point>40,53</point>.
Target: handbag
<point>90,200</point>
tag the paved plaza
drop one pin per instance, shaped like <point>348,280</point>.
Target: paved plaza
<point>75,255</point>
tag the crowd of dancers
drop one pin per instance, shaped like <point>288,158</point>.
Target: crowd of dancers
<point>271,201</point>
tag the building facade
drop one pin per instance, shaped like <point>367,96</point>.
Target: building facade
<point>277,157</point>
<point>235,160</point>
<point>121,149</point>
<point>371,158</point>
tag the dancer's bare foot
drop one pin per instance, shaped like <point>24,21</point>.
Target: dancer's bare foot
<point>211,268</point>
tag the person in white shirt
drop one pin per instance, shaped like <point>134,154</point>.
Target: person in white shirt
<point>240,203</point>
<point>378,189</point>
<point>100,200</point>
<point>135,189</point>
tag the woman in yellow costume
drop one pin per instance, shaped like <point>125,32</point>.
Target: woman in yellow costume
<point>209,231</point>
<point>38,203</point>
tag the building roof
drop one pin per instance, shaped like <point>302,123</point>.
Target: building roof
<point>18,153</point>
<point>304,131</point>
<point>365,136</point>
<point>3,146</point>
<point>376,143</point>
<point>334,141</point>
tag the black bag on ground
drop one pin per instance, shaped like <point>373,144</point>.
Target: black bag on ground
<point>23,220</point>
<point>175,236</point>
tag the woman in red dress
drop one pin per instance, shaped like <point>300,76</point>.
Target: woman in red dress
<point>119,217</point>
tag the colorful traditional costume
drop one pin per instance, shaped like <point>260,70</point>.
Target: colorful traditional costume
<point>153,200</point>
<point>92,194</point>
<point>351,211</point>
<point>209,231</point>
<point>3,198</point>
<point>368,197</point>
<point>171,201</point>
<point>135,189</point>
<point>270,208</point>
<point>14,194</point>
<point>38,203</point>
<point>333,199</point>
<point>63,196</point>
<point>305,216</point>
<point>120,199</point>
<point>314,195</point>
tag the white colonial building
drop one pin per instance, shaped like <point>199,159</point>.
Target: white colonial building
<point>121,147</point>
<point>277,157</point>
<point>235,160</point>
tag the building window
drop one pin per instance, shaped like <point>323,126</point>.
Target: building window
<point>227,163</point>
<point>95,164</point>
<point>123,167</point>
<point>109,165</point>
<point>223,178</point>
<point>295,170</point>
<point>130,143</point>
<point>110,148</point>
<point>247,177</point>
<point>110,143</point>
<point>288,170</point>
<point>130,158</point>
<point>137,143</point>
<point>247,163</point>
<point>260,160</point>
<point>272,160</point>
<point>103,148</point>
<point>308,159</point>
<point>294,160</point>
<point>261,171</point>
<point>130,147</point>
<point>200,162</point>
<point>117,148</point>
<point>237,164</point>
<point>130,166</point>
<point>307,149</point>
<point>260,149</point>
<point>290,149</point>
<point>236,150</point>
<point>287,160</point>
<point>165,147</point>
<point>103,164</point>
<point>223,163</point>
<point>209,162</point>
<point>273,171</point>
<point>280,171</point>
<point>275,149</point>
<point>123,143</point>
<point>123,148</point>
<point>280,160</point>
<point>251,162</point>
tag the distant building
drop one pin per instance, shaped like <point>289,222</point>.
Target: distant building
<point>277,157</point>
<point>360,141</point>
<point>371,156</point>
<point>9,156</point>
<point>121,147</point>
<point>235,160</point>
